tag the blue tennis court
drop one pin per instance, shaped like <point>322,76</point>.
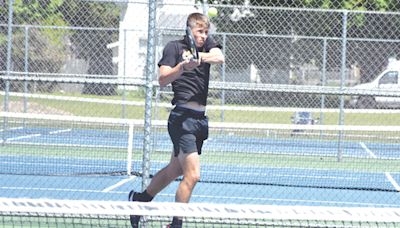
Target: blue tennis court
<point>246,168</point>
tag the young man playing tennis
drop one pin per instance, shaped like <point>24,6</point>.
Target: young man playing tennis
<point>187,123</point>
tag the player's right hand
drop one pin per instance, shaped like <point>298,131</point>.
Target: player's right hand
<point>190,64</point>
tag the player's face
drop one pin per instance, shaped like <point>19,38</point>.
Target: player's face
<point>200,34</point>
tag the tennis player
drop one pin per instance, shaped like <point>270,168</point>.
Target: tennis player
<point>187,122</point>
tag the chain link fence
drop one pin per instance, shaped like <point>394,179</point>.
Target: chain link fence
<point>88,58</point>
<point>263,43</point>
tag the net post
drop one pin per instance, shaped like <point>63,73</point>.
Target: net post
<point>130,148</point>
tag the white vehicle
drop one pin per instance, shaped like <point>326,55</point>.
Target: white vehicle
<point>389,79</point>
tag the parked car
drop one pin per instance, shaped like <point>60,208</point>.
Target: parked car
<point>388,80</point>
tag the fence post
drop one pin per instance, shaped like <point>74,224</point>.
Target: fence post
<point>9,51</point>
<point>223,68</point>
<point>8,67</point>
<point>26,67</point>
<point>323,78</point>
<point>342,81</point>
<point>124,77</point>
<point>150,68</point>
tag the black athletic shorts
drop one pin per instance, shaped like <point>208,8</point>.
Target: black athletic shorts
<point>188,129</point>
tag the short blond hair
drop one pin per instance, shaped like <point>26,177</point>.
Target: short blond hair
<point>197,19</point>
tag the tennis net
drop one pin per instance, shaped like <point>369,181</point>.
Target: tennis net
<point>69,213</point>
<point>312,156</point>
<point>307,156</point>
<point>35,144</point>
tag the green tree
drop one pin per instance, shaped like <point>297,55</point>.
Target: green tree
<point>34,12</point>
<point>101,22</point>
<point>46,49</point>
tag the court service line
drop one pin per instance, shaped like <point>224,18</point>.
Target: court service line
<point>264,199</point>
<point>59,131</point>
<point>387,174</point>
<point>112,187</point>
<point>22,137</point>
<point>392,181</point>
<point>367,149</point>
<point>34,135</point>
<point>48,189</point>
<point>13,128</point>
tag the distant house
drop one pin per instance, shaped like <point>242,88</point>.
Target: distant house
<point>129,52</point>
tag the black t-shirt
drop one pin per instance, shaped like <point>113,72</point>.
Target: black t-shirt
<point>192,85</point>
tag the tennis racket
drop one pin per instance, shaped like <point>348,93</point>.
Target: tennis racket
<point>192,43</point>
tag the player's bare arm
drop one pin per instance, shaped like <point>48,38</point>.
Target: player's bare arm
<point>169,74</point>
<point>215,56</point>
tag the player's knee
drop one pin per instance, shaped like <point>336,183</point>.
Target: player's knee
<point>196,178</point>
<point>193,178</point>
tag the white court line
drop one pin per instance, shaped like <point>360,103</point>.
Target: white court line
<point>22,137</point>
<point>387,174</point>
<point>367,149</point>
<point>12,128</point>
<point>59,131</point>
<point>264,199</point>
<point>33,135</point>
<point>392,181</point>
<point>112,187</point>
<point>48,189</point>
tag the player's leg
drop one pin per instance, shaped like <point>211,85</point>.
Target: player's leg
<point>168,173</point>
<point>190,163</point>
<point>163,177</point>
